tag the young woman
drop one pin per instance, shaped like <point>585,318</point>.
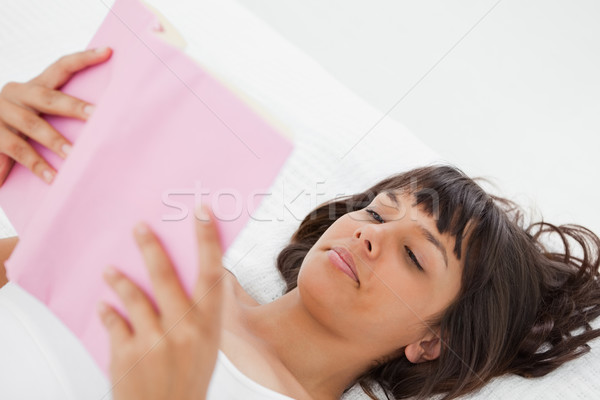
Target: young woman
<point>422,284</point>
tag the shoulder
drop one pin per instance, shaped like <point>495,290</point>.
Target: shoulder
<point>236,289</point>
<point>256,363</point>
<point>249,354</point>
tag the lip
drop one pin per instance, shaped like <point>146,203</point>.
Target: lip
<point>342,259</point>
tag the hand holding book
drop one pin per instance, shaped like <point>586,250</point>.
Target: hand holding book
<point>168,351</point>
<point>22,103</point>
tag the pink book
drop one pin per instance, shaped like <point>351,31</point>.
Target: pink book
<point>165,136</point>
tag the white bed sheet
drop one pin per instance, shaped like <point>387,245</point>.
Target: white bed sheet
<point>326,119</point>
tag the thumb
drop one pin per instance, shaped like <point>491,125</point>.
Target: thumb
<point>209,288</point>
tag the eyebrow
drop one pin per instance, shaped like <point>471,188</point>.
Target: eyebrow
<point>428,235</point>
<point>432,239</point>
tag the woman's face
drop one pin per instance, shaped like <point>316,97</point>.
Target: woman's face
<point>407,273</point>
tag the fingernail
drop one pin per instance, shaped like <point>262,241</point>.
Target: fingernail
<point>102,307</point>
<point>48,176</point>
<point>66,148</point>
<point>101,49</point>
<point>89,109</point>
<point>202,213</point>
<point>111,272</point>
<point>141,228</point>
<point>157,26</point>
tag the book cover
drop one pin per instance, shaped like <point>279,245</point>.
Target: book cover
<point>165,136</point>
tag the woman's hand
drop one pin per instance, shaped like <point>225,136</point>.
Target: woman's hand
<point>22,103</point>
<point>169,353</point>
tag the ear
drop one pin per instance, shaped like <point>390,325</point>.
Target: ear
<point>426,349</point>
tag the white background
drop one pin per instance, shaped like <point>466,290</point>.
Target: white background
<point>508,90</point>
<point>504,89</point>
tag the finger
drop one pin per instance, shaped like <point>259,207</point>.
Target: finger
<point>33,126</point>
<point>22,152</point>
<point>55,102</point>
<point>141,313</point>
<point>209,288</point>
<point>61,71</point>
<point>6,164</point>
<point>115,324</point>
<point>170,295</point>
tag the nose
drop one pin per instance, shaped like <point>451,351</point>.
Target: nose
<point>369,239</point>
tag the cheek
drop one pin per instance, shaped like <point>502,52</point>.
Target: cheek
<point>398,300</point>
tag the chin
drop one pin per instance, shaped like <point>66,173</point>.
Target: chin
<point>323,286</point>
<point>329,303</point>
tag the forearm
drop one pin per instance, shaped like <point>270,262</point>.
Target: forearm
<point>6,248</point>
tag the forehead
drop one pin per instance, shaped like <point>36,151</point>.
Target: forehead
<point>404,202</point>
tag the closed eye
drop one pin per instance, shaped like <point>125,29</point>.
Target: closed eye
<point>375,216</point>
<point>413,257</point>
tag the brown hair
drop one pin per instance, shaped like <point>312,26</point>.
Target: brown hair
<point>519,302</point>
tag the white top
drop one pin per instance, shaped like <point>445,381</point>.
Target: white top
<point>42,359</point>
<point>230,383</point>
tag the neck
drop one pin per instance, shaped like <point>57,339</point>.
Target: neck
<point>323,362</point>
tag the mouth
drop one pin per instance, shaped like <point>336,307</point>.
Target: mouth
<point>342,259</point>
